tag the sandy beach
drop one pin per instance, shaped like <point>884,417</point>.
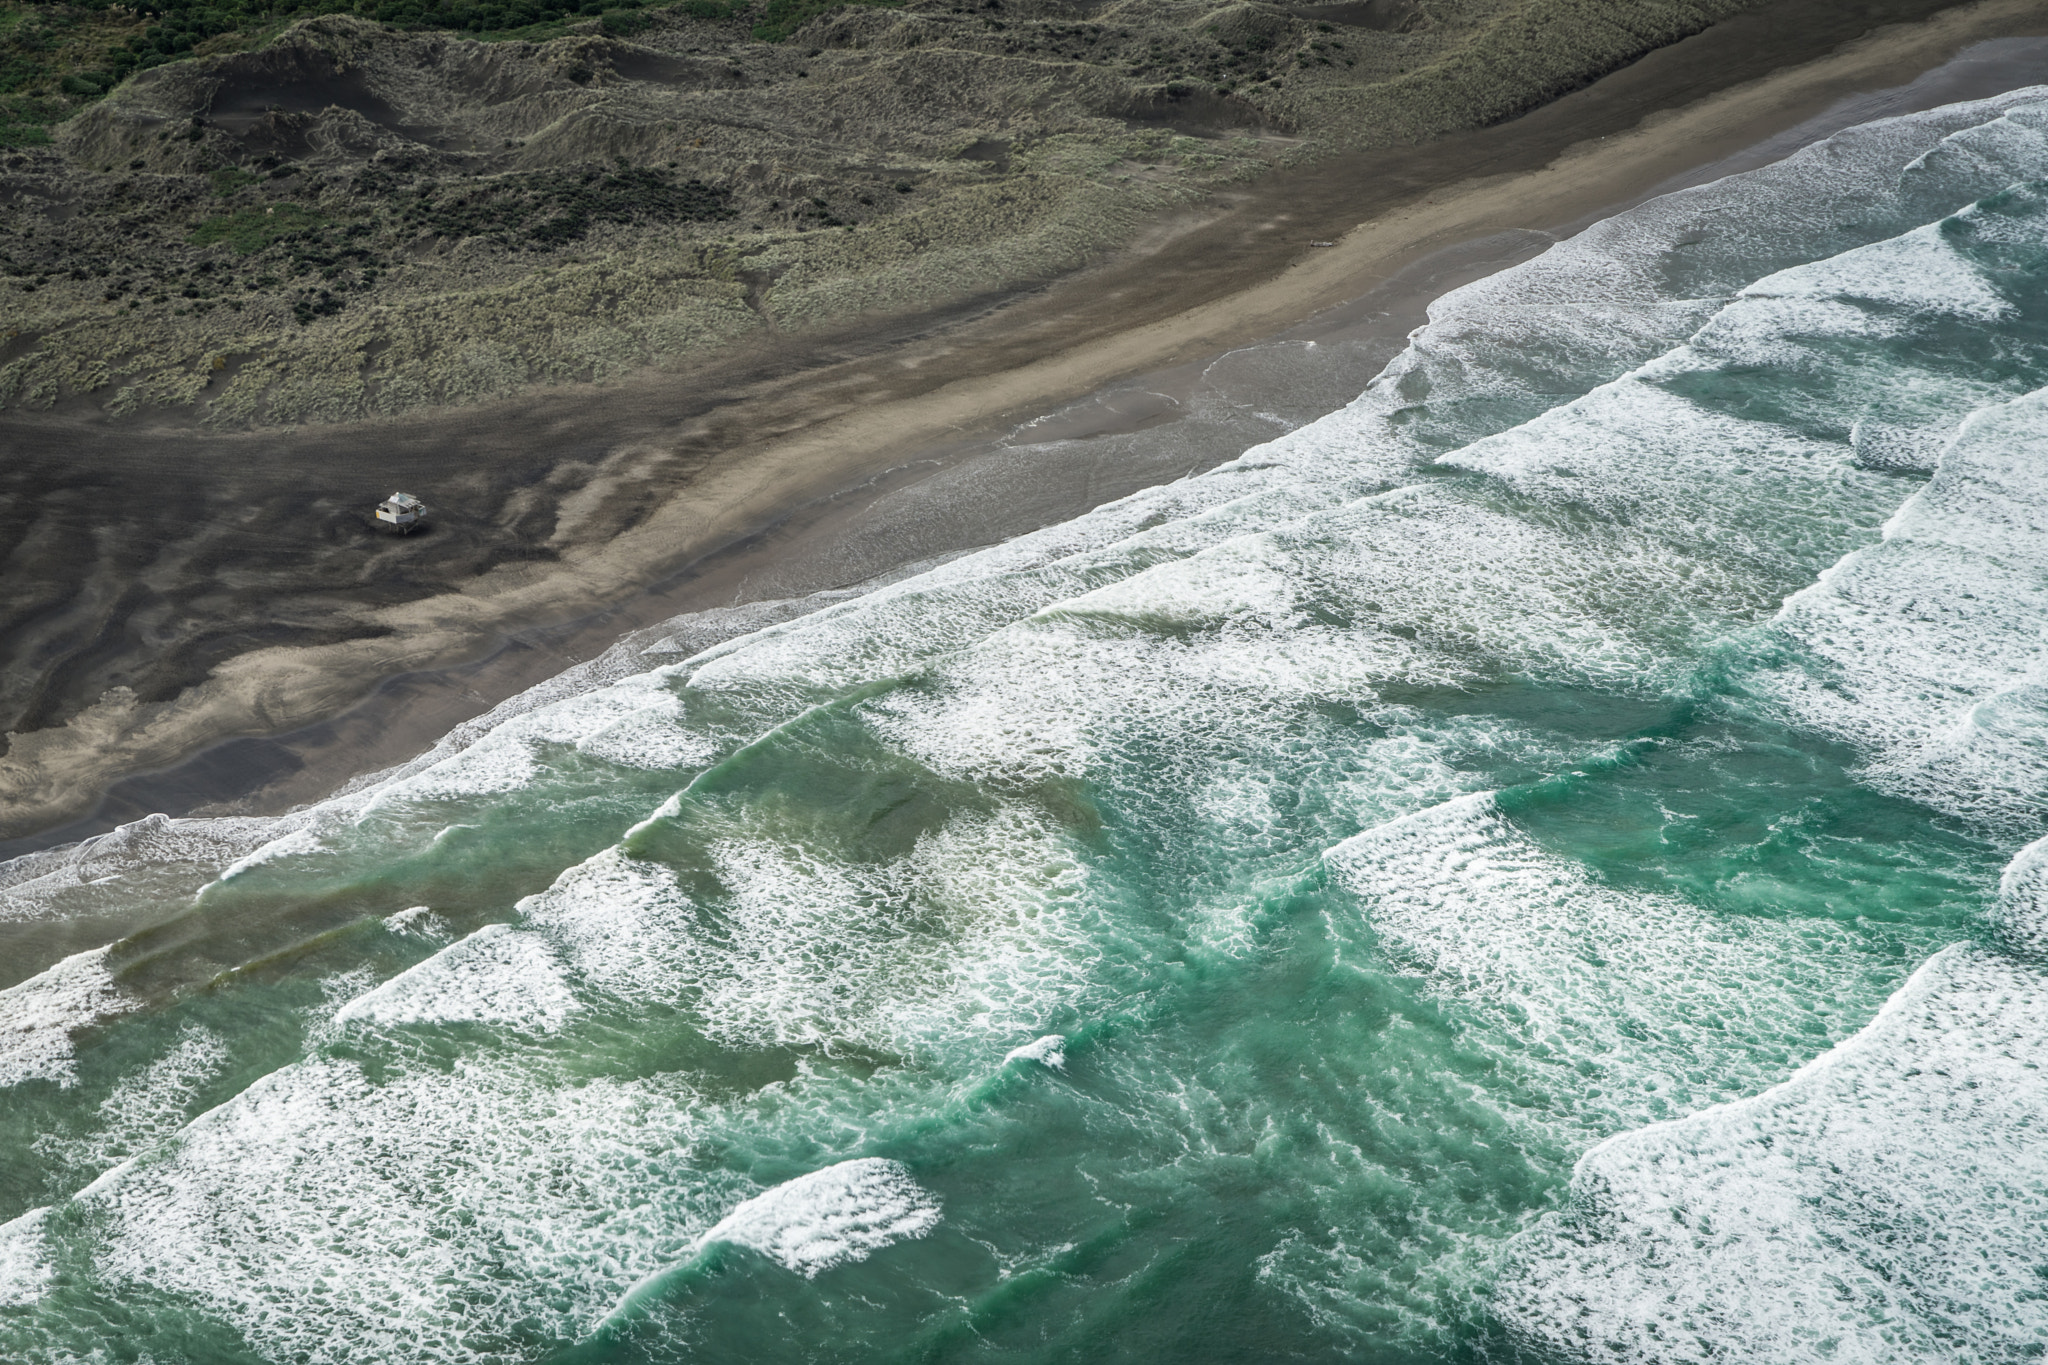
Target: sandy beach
<point>800,467</point>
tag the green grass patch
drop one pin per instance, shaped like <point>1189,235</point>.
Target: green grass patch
<point>69,55</point>
<point>25,121</point>
<point>784,17</point>
<point>624,23</point>
<point>54,60</point>
<point>228,179</point>
<point>250,230</point>
<point>619,18</point>
<point>526,33</point>
<point>176,28</point>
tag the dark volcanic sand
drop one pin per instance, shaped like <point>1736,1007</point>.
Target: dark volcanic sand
<point>143,557</point>
<point>945,499</point>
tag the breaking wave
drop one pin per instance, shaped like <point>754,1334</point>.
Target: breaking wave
<point>1514,864</point>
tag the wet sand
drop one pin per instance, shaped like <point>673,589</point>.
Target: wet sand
<point>944,499</point>
<point>803,467</point>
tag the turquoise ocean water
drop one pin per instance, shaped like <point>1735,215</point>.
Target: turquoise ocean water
<point>1536,865</point>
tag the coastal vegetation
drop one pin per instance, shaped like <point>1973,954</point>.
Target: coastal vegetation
<point>383,204</point>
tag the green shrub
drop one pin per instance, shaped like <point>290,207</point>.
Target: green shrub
<point>180,25</point>
<point>784,17</point>
<point>250,230</point>
<point>25,121</point>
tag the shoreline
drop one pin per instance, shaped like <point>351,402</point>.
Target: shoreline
<point>891,416</point>
<point>841,542</point>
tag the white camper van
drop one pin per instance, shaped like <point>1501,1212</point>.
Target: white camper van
<point>402,510</point>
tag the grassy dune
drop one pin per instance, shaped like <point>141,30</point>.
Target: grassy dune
<point>342,218</point>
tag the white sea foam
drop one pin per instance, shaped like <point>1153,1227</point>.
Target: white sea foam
<point>1049,1052</point>
<point>1706,520</point>
<point>2005,146</point>
<point>1700,507</point>
<point>150,1106</point>
<point>417,921</point>
<point>331,1218</point>
<point>496,976</point>
<point>1928,648</point>
<point>1884,1204</point>
<point>973,930</point>
<point>1912,450</point>
<point>1573,604</point>
<point>900,629</point>
<point>972,933</point>
<point>1772,498</point>
<point>631,722</point>
<point>1919,270</point>
<point>1653,1005</point>
<point>1213,649</point>
<point>1157,648</point>
<point>146,1107</point>
<point>842,1213</point>
<point>292,843</point>
<point>622,922</point>
<point>328,1216</point>
<point>1495,353</point>
<point>140,866</point>
<point>38,1017</point>
<point>1871,181</point>
<point>1518,337</point>
<point>25,1269</point>
<point>2021,915</point>
<point>1216,651</point>
<point>653,743</point>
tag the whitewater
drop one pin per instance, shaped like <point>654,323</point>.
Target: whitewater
<point>1539,864</point>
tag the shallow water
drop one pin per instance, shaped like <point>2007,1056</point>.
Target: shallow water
<point>1533,865</point>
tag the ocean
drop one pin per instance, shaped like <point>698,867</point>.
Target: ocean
<point>1536,865</point>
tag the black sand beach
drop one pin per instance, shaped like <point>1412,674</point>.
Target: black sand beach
<point>253,641</point>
